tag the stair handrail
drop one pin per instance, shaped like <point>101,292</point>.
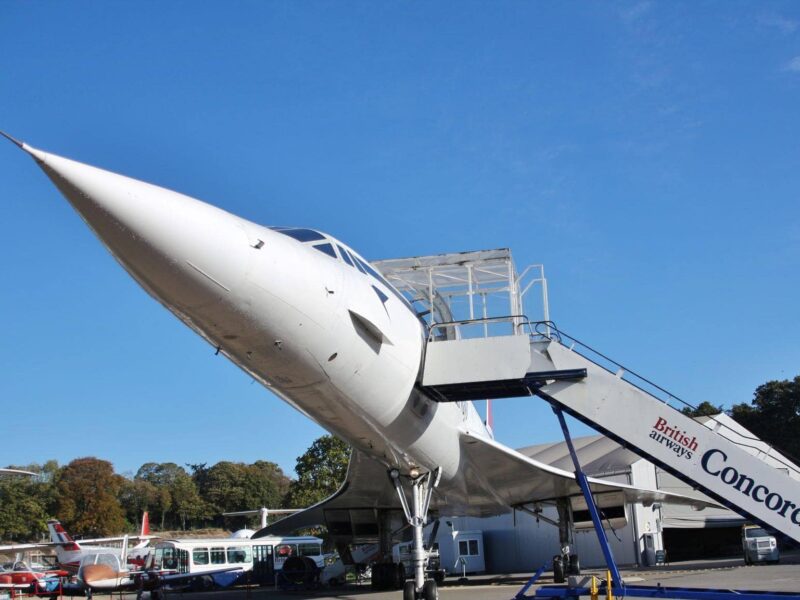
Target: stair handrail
<point>519,320</point>
<point>535,328</point>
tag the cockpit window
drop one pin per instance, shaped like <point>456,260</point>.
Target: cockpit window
<point>301,235</point>
<point>364,266</point>
<point>381,295</point>
<point>358,264</point>
<point>345,256</point>
<point>326,248</point>
<point>372,272</point>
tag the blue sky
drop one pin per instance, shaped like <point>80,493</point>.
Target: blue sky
<point>647,153</point>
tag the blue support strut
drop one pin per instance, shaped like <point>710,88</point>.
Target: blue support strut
<point>580,477</point>
<point>521,594</point>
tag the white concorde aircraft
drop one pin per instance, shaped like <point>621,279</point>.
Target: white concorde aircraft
<point>316,324</point>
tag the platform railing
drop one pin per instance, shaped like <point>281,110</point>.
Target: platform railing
<point>548,330</point>
<point>518,326</point>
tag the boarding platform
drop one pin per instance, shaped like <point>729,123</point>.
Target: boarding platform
<point>482,345</point>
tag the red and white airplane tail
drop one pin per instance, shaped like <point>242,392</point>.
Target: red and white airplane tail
<point>144,533</point>
<point>60,537</point>
<point>145,524</point>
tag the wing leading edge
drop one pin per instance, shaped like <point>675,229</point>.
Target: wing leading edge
<point>515,479</point>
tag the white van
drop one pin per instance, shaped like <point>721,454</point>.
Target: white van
<point>759,546</point>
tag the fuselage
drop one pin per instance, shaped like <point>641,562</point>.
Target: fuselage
<point>296,309</point>
<point>338,343</point>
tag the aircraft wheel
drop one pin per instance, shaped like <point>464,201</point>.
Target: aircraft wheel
<point>399,576</point>
<point>409,590</point>
<point>430,591</point>
<point>558,569</point>
<point>377,577</point>
<point>574,565</point>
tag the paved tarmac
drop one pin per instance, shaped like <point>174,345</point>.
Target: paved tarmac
<point>724,574</point>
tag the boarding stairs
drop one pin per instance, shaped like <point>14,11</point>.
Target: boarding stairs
<point>475,353</point>
<point>735,469</point>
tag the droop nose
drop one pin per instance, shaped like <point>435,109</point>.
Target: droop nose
<point>187,253</point>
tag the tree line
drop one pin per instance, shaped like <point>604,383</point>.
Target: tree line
<point>772,415</point>
<point>91,500</point>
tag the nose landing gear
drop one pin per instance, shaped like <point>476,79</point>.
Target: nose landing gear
<point>422,486</point>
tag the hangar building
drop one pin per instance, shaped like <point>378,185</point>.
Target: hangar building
<point>518,542</point>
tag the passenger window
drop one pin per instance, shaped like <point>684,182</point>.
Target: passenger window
<point>284,551</point>
<point>302,235</point>
<point>309,549</point>
<point>218,556</point>
<point>200,556</point>
<point>170,559</point>
<point>345,256</point>
<point>326,248</point>
<point>235,555</point>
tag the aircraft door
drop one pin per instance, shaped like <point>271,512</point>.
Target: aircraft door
<point>263,565</point>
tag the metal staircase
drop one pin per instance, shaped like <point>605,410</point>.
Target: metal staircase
<point>739,472</point>
<point>473,354</point>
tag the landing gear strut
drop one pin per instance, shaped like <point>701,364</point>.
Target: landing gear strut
<point>565,563</point>
<point>422,486</point>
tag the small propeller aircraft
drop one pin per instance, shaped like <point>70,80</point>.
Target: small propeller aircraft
<point>70,552</point>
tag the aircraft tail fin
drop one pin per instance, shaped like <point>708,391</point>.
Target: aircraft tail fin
<point>145,524</point>
<point>144,534</point>
<point>58,535</point>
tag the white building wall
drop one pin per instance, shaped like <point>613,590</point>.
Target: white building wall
<point>526,546</point>
<point>646,519</point>
<point>515,542</point>
<point>448,549</point>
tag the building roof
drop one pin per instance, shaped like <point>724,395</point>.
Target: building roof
<point>597,454</point>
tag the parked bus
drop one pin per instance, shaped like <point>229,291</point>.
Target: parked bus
<point>259,559</point>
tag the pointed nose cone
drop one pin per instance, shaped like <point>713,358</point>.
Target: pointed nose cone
<point>185,252</point>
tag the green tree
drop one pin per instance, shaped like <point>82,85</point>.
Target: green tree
<point>176,499</point>
<point>320,472</point>
<point>230,486</point>
<point>87,498</point>
<point>224,488</point>
<point>270,471</point>
<point>186,501</point>
<point>774,414</point>
<point>704,409</point>
<point>137,496</point>
<point>23,508</point>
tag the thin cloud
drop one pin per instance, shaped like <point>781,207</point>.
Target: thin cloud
<point>783,24</point>
<point>793,65</point>
<point>636,12</point>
